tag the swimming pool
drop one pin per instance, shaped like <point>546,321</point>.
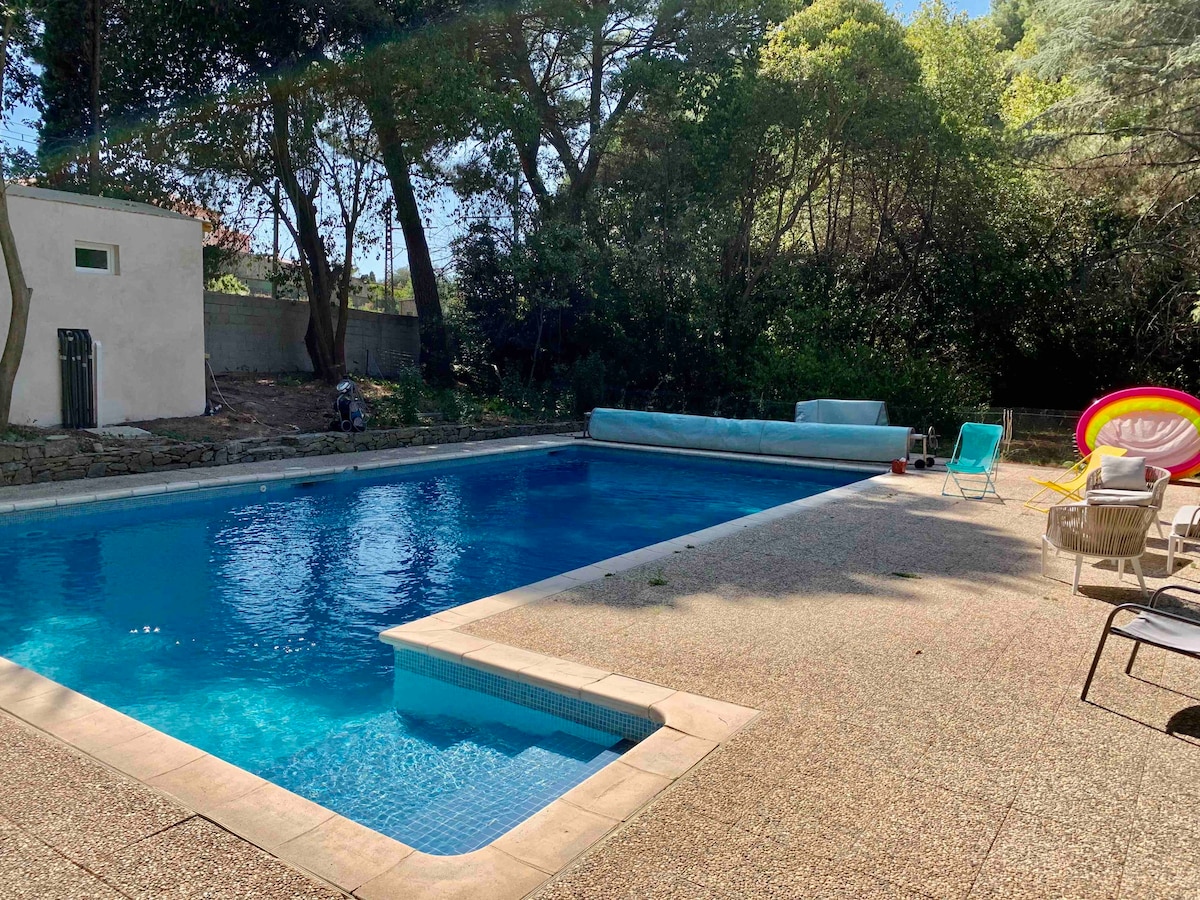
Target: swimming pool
<point>246,621</point>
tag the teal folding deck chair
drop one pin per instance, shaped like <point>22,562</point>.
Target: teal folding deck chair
<point>973,465</point>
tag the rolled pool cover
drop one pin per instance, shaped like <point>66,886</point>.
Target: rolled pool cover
<point>858,443</point>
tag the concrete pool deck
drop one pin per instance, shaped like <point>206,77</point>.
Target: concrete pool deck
<point>920,732</point>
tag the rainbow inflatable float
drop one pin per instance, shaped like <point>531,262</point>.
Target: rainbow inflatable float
<point>1160,424</point>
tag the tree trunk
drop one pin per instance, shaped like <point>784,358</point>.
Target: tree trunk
<point>314,260</point>
<point>343,296</point>
<point>435,347</point>
<point>18,320</point>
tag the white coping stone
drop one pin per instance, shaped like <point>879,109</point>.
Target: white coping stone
<point>242,479</point>
<point>175,486</point>
<point>74,499</point>
<point>586,573</point>
<point>146,490</point>
<point>123,494</point>
<point>41,503</point>
<point>6,508</point>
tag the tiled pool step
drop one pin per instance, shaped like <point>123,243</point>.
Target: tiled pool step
<point>364,862</point>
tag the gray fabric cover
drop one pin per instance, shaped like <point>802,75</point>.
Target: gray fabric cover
<point>1161,630</point>
<point>851,442</point>
<point>1123,473</point>
<point>842,412</point>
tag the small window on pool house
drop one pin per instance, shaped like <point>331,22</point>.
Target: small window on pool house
<point>99,259</point>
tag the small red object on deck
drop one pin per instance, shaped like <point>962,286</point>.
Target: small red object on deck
<point>899,466</point>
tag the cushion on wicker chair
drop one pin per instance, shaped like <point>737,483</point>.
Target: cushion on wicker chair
<point>1123,473</point>
<point>1187,522</point>
<point>1104,497</point>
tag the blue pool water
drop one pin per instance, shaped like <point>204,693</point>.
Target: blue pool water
<point>247,623</point>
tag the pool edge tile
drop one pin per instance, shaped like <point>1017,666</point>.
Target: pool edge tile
<point>488,873</point>
<point>207,783</point>
<point>626,694</point>
<point>147,755</point>
<point>560,675</point>
<point>270,816</point>
<point>555,835</point>
<point>454,645</point>
<point>502,659</point>
<point>617,791</point>
<point>702,717</point>
<point>415,640</point>
<point>104,728</point>
<point>344,852</point>
<point>49,709</point>
<point>668,753</point>
<point>18,683</point>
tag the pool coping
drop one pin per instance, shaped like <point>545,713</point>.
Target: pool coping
<point>370,865</point>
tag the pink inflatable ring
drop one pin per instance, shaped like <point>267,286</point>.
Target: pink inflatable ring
<point>1158,423</point>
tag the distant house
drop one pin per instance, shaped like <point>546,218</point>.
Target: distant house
<point>129,274</point>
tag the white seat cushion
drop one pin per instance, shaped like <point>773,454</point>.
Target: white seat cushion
<point>1119,498</point>
<point>1182,524</point>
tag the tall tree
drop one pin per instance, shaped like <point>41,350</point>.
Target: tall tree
<point>15,25</point>
<point>66,56</point>
<point>416,86</point>
<point>570,71</point>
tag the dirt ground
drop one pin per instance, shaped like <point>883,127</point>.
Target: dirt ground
<point>256,405</point>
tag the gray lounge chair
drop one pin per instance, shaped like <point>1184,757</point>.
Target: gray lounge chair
<point>1156,627</point>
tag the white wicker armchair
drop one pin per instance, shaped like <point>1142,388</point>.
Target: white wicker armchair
<point>1099,532</point>
<point>1157,480</point>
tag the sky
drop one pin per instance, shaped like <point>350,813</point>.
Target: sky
<point>439,217</point>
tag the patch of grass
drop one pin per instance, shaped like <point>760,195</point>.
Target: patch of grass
<point>657,580</point>
<point>173,435</point>
<point>16,434</point>
<point>905,574</point>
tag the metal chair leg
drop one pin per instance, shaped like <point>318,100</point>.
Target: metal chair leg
<point>1078,571</point>
<point>1132,657</point>
<point>1171,555</point>
<point>1120,570</point>
<point>1158,525</point>
<point>1095,660</point>
<point>1137,569</point>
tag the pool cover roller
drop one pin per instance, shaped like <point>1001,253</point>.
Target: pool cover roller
<point>859,443</point>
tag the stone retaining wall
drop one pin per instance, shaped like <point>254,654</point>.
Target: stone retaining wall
<point>41,461</point>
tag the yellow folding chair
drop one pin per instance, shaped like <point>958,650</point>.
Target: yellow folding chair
<point>1071,483</point>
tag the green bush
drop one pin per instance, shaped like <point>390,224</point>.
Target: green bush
<point>227,284</point>
<point>400,407</point>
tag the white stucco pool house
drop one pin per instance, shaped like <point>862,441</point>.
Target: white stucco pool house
<point>132,276</point>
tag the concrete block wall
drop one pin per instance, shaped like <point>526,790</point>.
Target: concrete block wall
<point>266,334</point>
